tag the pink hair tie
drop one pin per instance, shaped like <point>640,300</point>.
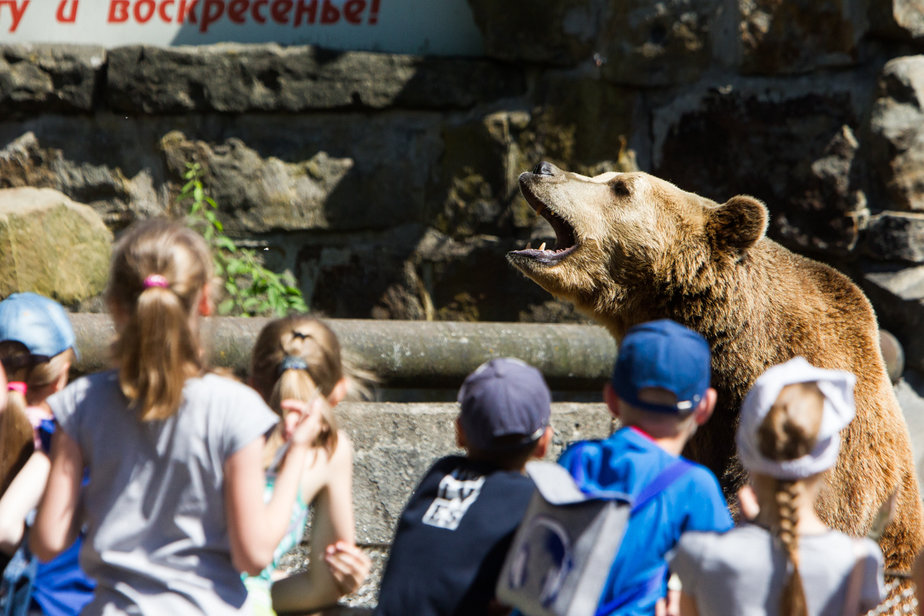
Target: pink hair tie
<point>155,280</point>
<point>17,386</point>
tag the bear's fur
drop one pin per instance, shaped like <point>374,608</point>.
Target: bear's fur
<point>633,247</point>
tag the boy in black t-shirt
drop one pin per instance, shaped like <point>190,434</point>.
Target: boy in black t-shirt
<point>454,533</point>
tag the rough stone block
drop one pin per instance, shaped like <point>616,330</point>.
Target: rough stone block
<point>898,294</point>
<point>51,245</point>
<point>238,78</point>
<point>896,236</point>
<point>50,77</point>
<point>784,37</point>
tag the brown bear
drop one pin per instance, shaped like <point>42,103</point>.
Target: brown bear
<point>632,247</point>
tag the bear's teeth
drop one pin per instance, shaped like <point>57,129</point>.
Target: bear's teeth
<point>542,246</point>
<point>528,245</point>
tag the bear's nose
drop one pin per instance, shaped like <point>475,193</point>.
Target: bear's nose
<point>544,168</point>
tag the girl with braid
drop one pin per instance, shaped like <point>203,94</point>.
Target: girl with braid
<point>295,362</point>
<point>785,561</point>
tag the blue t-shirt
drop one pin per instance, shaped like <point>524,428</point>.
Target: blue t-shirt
<point>628,461</point>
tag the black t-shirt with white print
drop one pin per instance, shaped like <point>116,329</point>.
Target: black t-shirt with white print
<point>452,539</point>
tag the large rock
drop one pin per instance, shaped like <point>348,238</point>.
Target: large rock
<point>51,245</point>
<point>85,172</point>
<point>897,133</point>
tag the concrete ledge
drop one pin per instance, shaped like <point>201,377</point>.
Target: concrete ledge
<point>395,443</point>
<point>415,354</point>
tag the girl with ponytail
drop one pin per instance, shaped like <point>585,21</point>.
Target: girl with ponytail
<point>296,361</point>
<point>785,561</point>
<point>173,509</point>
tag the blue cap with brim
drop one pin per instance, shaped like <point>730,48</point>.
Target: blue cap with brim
<point>503,398</point>
<point>665,355</point>
<point>39,323</point>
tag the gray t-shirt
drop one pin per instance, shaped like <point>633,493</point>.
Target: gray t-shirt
<point>741,572</point>
<point>157,537</point>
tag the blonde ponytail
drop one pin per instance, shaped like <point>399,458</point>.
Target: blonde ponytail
<point>158,275</point>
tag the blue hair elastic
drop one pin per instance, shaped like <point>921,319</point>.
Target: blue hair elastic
<point>292,362</point>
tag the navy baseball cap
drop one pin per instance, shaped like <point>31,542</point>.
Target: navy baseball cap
<point>665,355</point>
<point>504,397</point>
<point>39,323</point>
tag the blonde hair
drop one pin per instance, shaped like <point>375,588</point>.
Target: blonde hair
<point>16,433</point>
<point>158,274</point>
<point>790,431</point>
<point>297,357</point>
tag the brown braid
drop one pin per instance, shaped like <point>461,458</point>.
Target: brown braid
<point>788,432</point>
<point>792,601</point>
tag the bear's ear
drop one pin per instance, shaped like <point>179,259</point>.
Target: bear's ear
<point>737,224</point>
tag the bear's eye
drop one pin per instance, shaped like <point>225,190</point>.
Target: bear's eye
<point>619,188</point>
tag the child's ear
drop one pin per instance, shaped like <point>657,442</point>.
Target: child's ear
<point>611,399</point>
<point>205,300</point>
<point>338,393</point>
<point>542,446</point>
<point>703,412</point>
<point>61,381</point>
<point>460,435</point>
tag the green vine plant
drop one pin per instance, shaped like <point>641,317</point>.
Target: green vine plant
<point>249,288</point>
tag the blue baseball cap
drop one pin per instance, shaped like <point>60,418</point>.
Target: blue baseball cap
<point>665,355</point>
<point>504,397</point>
<point>39,323</point>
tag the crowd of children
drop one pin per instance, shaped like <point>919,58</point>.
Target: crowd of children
<point>181,488</point>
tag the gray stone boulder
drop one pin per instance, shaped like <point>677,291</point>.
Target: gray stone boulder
<point>898,294</point>
<point>897,133</point>
<point>51,245</point>
<point>896,236</point>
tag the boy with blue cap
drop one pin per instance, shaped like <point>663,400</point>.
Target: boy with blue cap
<point>455,531</point>
<point>660,390</point>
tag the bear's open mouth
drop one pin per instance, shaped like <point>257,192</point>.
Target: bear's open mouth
<point>565,239</point>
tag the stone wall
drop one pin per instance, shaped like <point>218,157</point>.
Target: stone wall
<point>387,183</point>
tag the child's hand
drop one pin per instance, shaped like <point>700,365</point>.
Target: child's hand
<point>348,564</point>
<point>302,420</point>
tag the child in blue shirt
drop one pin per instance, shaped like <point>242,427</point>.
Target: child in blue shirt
<point>660,390</point>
